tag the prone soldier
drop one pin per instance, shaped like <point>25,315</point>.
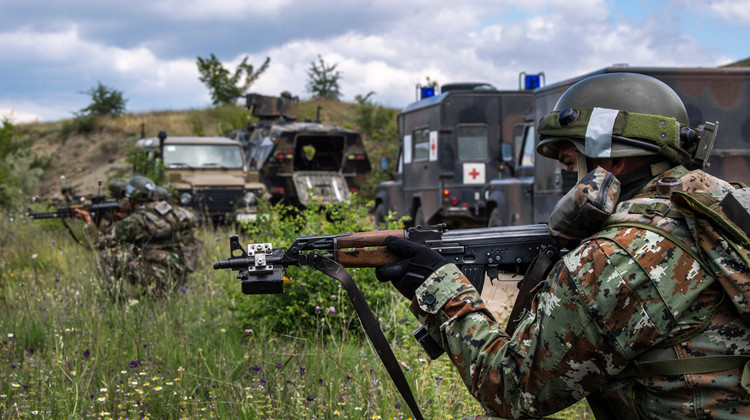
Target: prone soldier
<point>647,314</point>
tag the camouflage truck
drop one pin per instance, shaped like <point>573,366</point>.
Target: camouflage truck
<point>528,192</point>
<point>450,147</point>
<point>209,174</point>
<point>301,162</point>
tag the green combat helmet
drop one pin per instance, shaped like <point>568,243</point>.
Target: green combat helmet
<point>117,188</point>
<point>623,115</point>
<point>140,188</point>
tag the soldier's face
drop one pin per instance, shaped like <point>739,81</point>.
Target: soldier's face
<point>567,155</point>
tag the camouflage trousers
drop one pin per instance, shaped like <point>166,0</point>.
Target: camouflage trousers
<point>148,271</point>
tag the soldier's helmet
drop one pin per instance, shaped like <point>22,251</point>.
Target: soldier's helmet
<point>140,188</point>
<point>67,189</point>
<point>619,115</point>
<point>117,188</point>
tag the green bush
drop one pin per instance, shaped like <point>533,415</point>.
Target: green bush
<point>20,168</point>
<point>311,296</point>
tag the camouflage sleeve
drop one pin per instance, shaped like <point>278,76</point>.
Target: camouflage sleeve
<point>584,326</point>
<point>132,229</point>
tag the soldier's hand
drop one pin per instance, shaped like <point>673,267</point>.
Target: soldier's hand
<point>81,213</point>
<point>417,263</point>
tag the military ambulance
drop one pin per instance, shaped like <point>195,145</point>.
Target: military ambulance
<point>301,162</point>
<point>452,144</point>
<point>533,186</point>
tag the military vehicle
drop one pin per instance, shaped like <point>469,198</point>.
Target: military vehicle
<point>529,190</point>
<point>209,174</point>
<point>450,147</point>
<point>301,162</point>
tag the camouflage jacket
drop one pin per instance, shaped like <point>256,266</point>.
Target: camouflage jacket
<point>625,296</point>
<point>157,225</point>
<point>157,234</point>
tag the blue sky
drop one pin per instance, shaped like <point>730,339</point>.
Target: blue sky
<point>147,49</point>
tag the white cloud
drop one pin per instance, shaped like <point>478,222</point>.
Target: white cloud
<point>730,11</point>
<point>227,10</point>
<point>17,117</point>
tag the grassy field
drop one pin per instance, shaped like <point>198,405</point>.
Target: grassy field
<point>68,351</point>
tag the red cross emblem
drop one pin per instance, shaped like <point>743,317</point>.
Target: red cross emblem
<point>474,174</point>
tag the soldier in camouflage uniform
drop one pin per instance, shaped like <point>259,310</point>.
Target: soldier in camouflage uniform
<point>647,316</point>
<point>153,246</point>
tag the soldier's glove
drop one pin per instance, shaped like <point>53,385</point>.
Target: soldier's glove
<point>409,273</point>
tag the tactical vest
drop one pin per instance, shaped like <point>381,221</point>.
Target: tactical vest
<point>692,219</point>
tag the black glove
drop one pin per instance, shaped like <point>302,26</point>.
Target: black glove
<point>409,273</point>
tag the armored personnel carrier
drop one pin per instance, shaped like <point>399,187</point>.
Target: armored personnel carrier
<point>301,162</point>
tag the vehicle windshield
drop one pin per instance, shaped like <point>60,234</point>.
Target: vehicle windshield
<point>203,156</point>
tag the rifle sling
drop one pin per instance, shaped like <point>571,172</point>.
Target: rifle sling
<point>372,328</point>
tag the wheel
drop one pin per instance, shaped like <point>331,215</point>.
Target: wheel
<point>496,218</point>
<point>381,216</point>
<point>419,217</point>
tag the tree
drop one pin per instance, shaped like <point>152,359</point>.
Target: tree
<point>223,86</point>
<point>323,80</point>
<point>104,101</point>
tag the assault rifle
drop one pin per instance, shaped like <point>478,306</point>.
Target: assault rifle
<point>98,211</point>
<point>477,252</point>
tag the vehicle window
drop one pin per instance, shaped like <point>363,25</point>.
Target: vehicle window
<point>202,156</point>
<point>529,152</point>
<point>421,144</point>
<point>472,142</point>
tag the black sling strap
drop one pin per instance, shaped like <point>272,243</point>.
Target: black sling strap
<point>372,328</point>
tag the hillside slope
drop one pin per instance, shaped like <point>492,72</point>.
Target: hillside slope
<point>84,158</point>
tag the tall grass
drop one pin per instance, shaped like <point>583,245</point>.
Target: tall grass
<point>68,351</point>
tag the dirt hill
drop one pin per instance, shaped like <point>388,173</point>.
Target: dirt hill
<point>88,154</point>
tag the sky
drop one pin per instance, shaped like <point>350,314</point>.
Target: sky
<point>54,51</point>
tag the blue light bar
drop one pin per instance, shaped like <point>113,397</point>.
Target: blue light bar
<point>532,81</point>
<point>426,92</point>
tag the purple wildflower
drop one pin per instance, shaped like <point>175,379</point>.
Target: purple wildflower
<point>320,381</point>
<point>317,309</point>
<point>302,371</point>
<point>262,380</point>
<point>278,365</point>
<point>331,310</point>
<point>309,399</point>
<point>397,406</point>
<point>133,364</point>
<point>86,353</point>
<point>248,331</point>
<point>348,377</point>
<point>437,380</point>
<point>256,368</point>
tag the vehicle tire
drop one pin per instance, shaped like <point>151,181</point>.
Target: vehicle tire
<point>496,218</point>
<point>381,216</point>
<point>419,217</point>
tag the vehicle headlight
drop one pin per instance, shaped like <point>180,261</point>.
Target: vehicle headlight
<point>250,198</point>
<point>185,198</point>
